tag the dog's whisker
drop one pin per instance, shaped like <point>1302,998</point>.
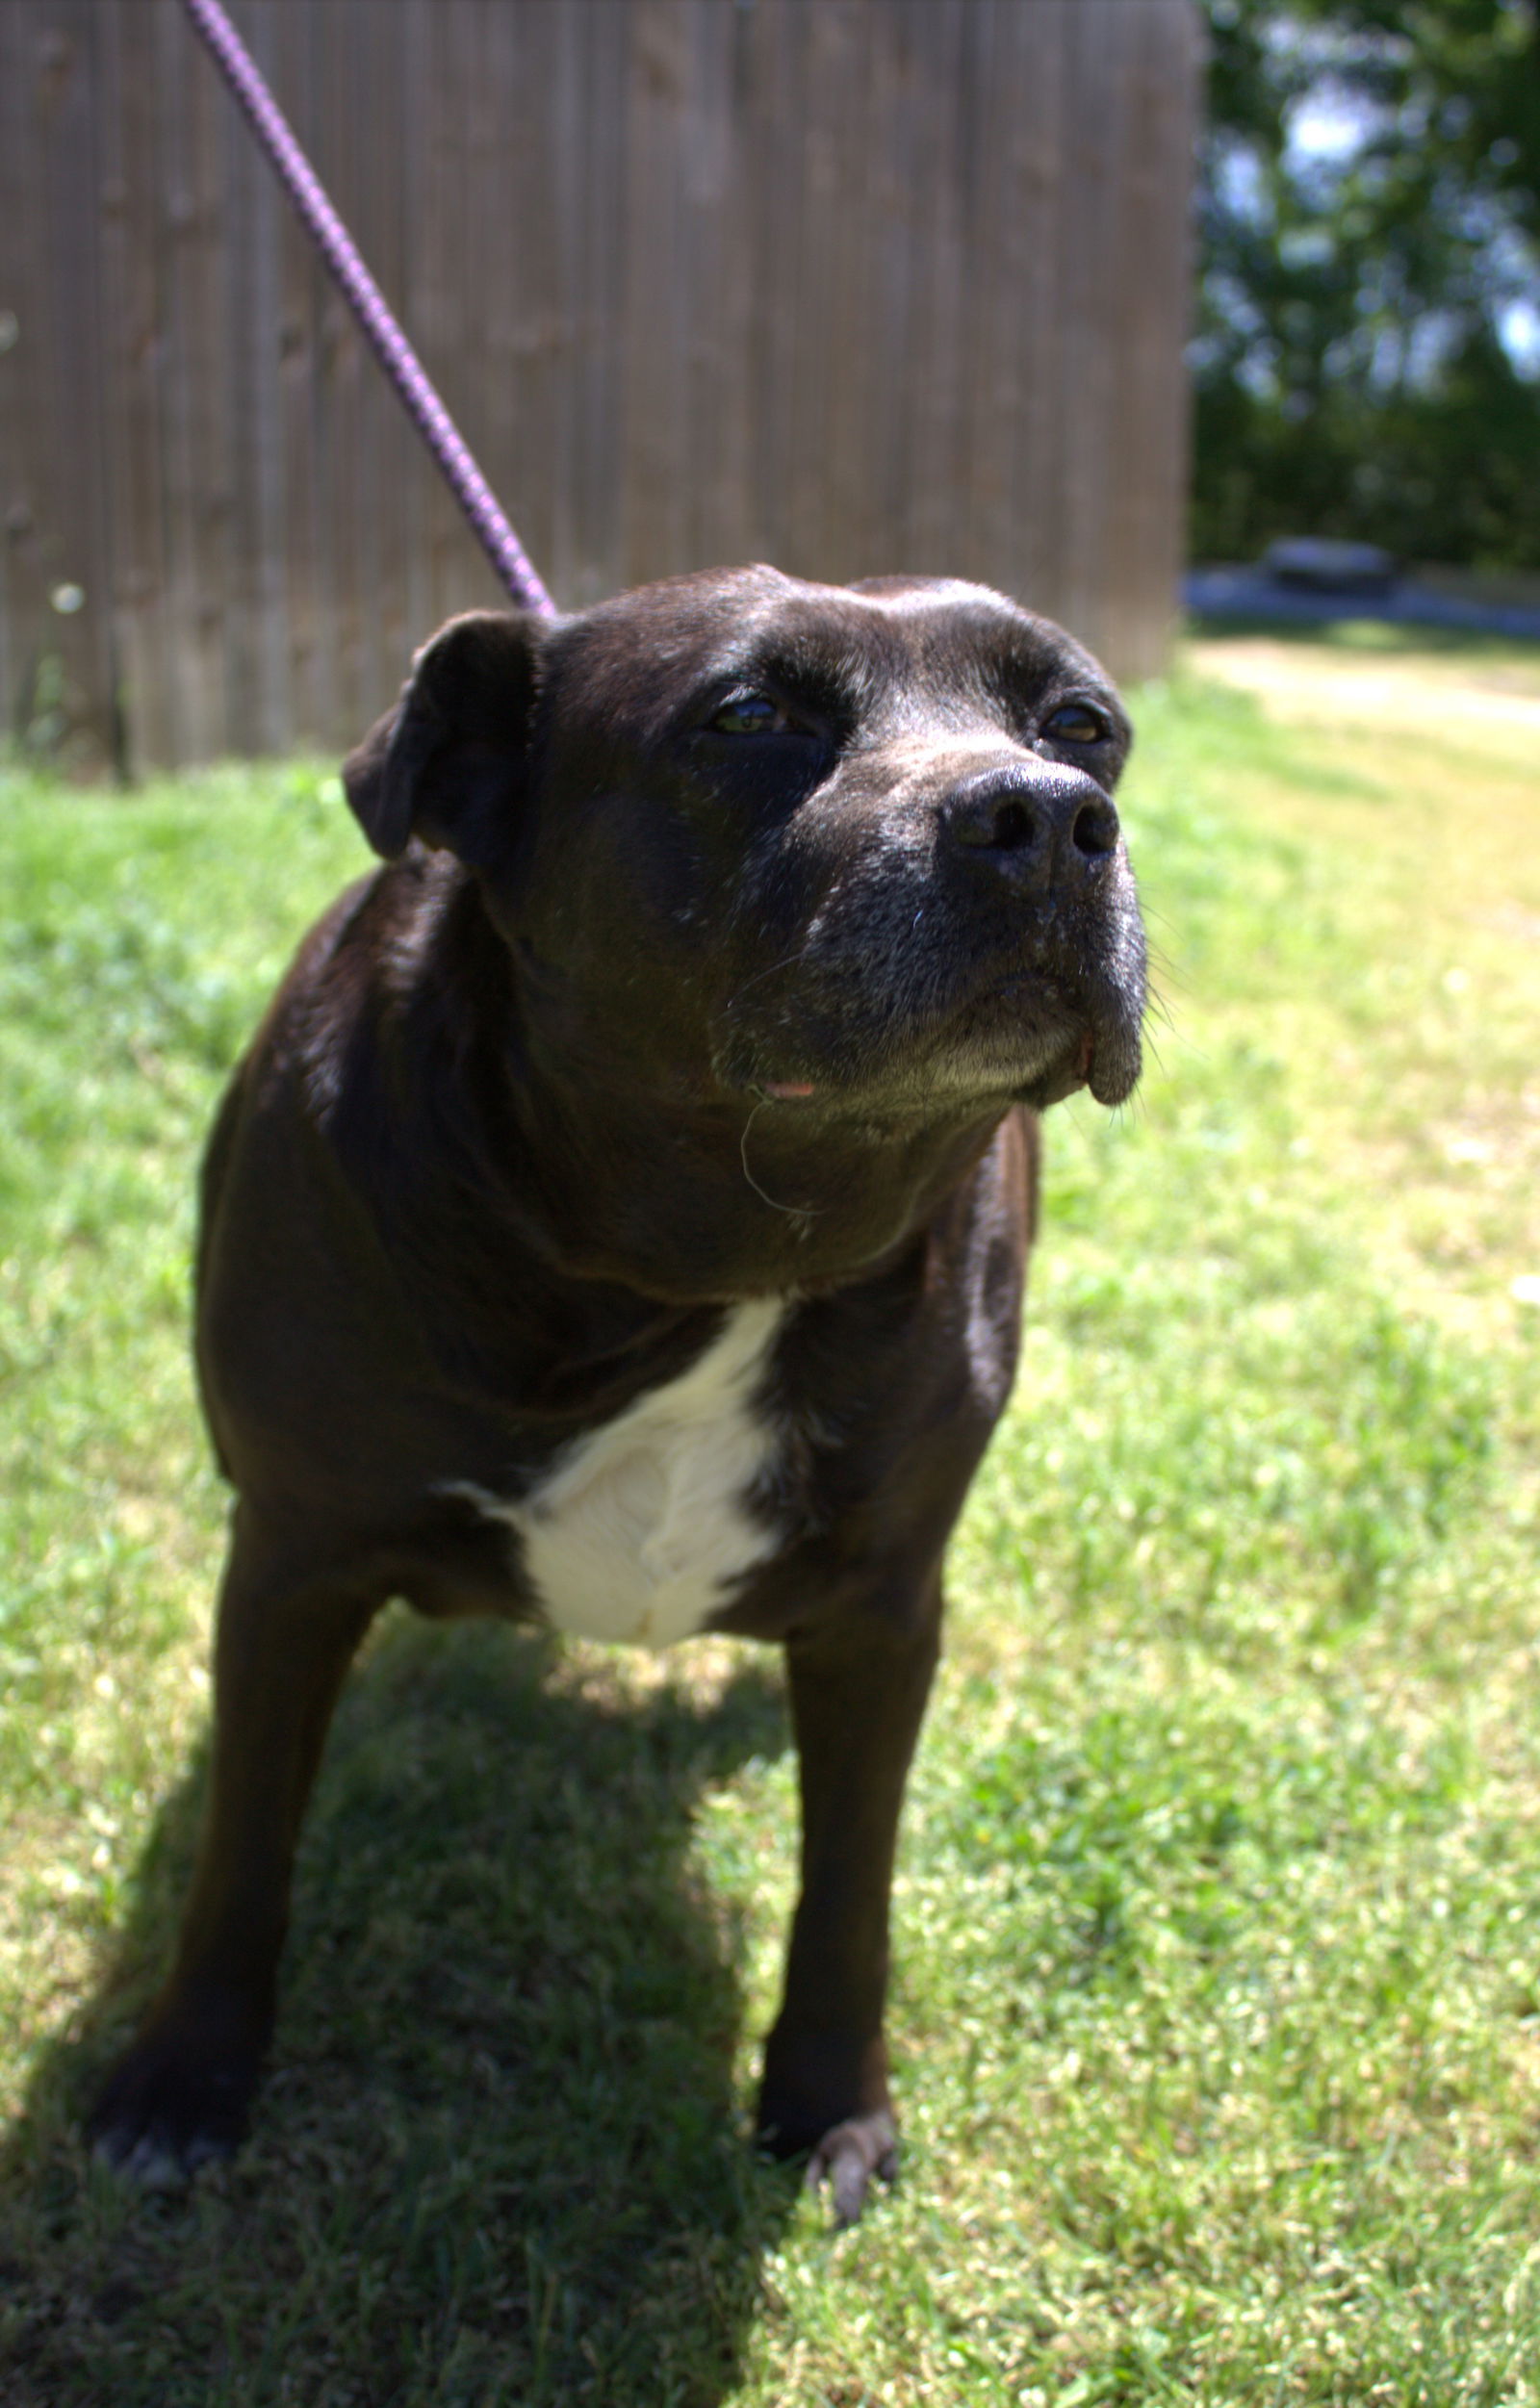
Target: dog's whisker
<point>793,1212</point>
<point>784,963</point>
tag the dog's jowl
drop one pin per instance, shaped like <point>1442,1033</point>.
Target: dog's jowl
<point>619,1220</point>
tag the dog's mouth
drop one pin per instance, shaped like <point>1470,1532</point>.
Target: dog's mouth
<point>1024,1040</point>
<point>1065,1077</point>
<point>902,1005</point>
<point>1091,1039</point>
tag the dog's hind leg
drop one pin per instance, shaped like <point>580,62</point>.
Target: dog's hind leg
<point>859,1688</point>
<point>284,1642</point>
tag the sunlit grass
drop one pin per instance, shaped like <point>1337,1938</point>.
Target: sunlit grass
<point>1218,2010</point>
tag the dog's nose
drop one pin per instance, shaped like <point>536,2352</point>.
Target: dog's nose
<point>1038,825</point>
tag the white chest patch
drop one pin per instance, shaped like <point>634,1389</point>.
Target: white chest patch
<point>634,1532</point>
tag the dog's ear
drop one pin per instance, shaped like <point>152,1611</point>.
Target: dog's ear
<point>447,764</point>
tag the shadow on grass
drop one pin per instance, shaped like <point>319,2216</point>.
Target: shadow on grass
<point>498,2156</point>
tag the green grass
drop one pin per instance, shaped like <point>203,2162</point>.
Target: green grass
<point>1218,2011</point>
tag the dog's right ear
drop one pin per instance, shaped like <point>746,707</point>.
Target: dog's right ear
<point>447,764</point>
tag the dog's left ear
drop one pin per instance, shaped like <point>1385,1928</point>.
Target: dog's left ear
<point>447,764</point>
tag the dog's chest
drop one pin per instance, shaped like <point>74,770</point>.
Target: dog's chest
<point>637,1529</point>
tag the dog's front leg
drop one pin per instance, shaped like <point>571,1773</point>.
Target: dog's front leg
<point>859,1688</point>
<point>284,1642</point>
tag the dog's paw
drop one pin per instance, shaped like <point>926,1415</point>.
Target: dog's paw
<point>846,2155</point>
<point>849,2156</point>
<point>168,2109</point>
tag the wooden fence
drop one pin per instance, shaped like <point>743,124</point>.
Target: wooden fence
<point>849,285</point>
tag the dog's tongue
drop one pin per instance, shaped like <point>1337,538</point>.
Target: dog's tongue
<point>788,1090</point>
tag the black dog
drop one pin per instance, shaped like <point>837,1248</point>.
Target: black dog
<point>620,1219</point>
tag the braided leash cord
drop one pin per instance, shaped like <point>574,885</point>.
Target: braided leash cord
<point>371,308</point>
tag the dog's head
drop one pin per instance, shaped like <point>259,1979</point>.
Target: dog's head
<point>849,850</point>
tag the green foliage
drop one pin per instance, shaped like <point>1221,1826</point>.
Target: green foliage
<point>1350,373</point>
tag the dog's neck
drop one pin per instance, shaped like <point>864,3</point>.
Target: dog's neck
<point>689,1195</point>
<point>719,1204</point>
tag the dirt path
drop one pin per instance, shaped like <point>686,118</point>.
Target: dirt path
<point>1321,681</point>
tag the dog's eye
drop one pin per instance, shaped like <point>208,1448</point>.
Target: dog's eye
<point>750,714</point>
<point>1076,723</point>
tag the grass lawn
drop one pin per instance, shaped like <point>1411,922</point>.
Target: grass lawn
<point>1217,2021</point>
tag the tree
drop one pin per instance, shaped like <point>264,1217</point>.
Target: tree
<point>1370,200</point>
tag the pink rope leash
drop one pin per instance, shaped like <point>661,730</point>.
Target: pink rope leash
<point>371,308</point>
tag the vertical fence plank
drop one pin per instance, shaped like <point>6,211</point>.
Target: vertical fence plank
<point>195,476</point>
<point>655,326</point>
<point>1155,239</point>
<point>467,369</point>
<point>66,374</point>
<point>597,180</point>
<point>27,462</point>
<point>432,272</point>
<point>133,341</point>
<point>1046,367</point>
<point>306,633</point>
<point>257,676</point>
<point>345,372</point>
<point>778,206</point>
<point>850,538</point>
<point>999,236</point>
